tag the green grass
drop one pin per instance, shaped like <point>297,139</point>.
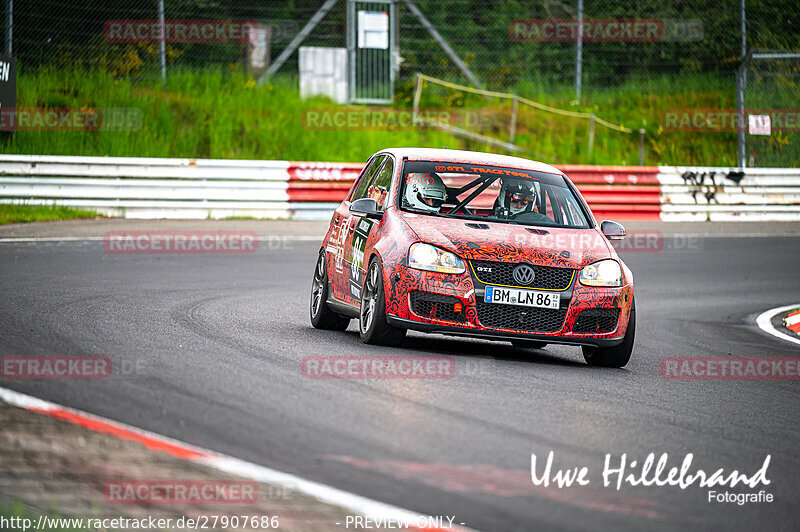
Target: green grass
<point>635,105</point>
<point>199,115</point>
<point>223,114</point>
<point>20,213</point>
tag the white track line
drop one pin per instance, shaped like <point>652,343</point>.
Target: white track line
<point>764,321</point>
<point>355,503</point>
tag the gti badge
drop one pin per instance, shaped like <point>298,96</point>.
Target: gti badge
<point>523,274</point>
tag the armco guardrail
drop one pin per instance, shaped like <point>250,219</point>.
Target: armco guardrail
<point>618,192</point>
<point>202,188</point>
<point>149,188</point>
<point>623,192</point>
<point>729,194</point>
<point>315,189</point>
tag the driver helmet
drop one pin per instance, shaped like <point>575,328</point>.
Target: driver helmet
<point>518,196</point>
<point>426,191</point>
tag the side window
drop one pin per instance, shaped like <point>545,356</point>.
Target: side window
<point>367,177</point>
<point>380,189</point>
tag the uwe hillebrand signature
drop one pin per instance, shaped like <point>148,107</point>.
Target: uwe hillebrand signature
<point>650,472</point>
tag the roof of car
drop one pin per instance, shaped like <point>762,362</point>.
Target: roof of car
<point>475,157</point>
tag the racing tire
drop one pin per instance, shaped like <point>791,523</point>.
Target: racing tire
<point>322,317</point>
<point>528,344</point>
<point>373,327</point>
<point>617,356</point>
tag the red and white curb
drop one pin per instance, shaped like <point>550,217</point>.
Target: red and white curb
<point>356,504</point>
<point>792,322</point>
<point>764,321</point>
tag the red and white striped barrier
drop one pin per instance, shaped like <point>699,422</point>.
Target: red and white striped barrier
<point>792,322</point>
<point>666,193</point>
<point>315,189</point>
<point>202,188</point>
<point>621,192</point>
<point>618,192</point>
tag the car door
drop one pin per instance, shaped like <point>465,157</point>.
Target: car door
<point>342,230</point>
<point>378,190</point>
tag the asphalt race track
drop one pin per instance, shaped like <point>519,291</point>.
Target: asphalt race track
<point>207,349</point>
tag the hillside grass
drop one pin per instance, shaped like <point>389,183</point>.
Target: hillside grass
<point>224,114</point>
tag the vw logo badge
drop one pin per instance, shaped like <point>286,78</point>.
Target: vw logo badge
<point>523,274</point>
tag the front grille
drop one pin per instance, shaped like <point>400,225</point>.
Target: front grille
<point>596,320</point>
<point>521,318</point>
<point>436,306</point>
<point>547,277</point>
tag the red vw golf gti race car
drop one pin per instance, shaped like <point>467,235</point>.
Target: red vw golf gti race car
<point>474,244</point>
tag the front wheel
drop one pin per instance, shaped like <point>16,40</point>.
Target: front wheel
<point>372,324</point>
<point>322,317</point>
<point>617,356</point>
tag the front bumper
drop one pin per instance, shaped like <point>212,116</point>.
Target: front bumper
<point>469,291</point>
<point>495,334</point>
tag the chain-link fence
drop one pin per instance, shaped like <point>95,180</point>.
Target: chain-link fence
<point>505,43</point>
<point>122,38</point>
<point>578,51</point>
<point>771,118</point>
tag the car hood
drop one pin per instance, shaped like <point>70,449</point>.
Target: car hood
<point>548,246</point>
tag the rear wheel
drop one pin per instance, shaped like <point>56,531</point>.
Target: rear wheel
<point>372,324</point>
<point>528,344</point>
<point>617,356</point>
<point>322,317</point>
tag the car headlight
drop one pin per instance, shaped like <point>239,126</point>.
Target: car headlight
<point>602,273</point>
<point>426,257</point>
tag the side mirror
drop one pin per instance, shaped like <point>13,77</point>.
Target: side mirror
<point>366,207</point>
<point>612,230</point>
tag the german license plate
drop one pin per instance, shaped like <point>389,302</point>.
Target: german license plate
<point>523,298</point>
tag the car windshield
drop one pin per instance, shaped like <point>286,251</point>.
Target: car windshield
<point>490,194</point>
